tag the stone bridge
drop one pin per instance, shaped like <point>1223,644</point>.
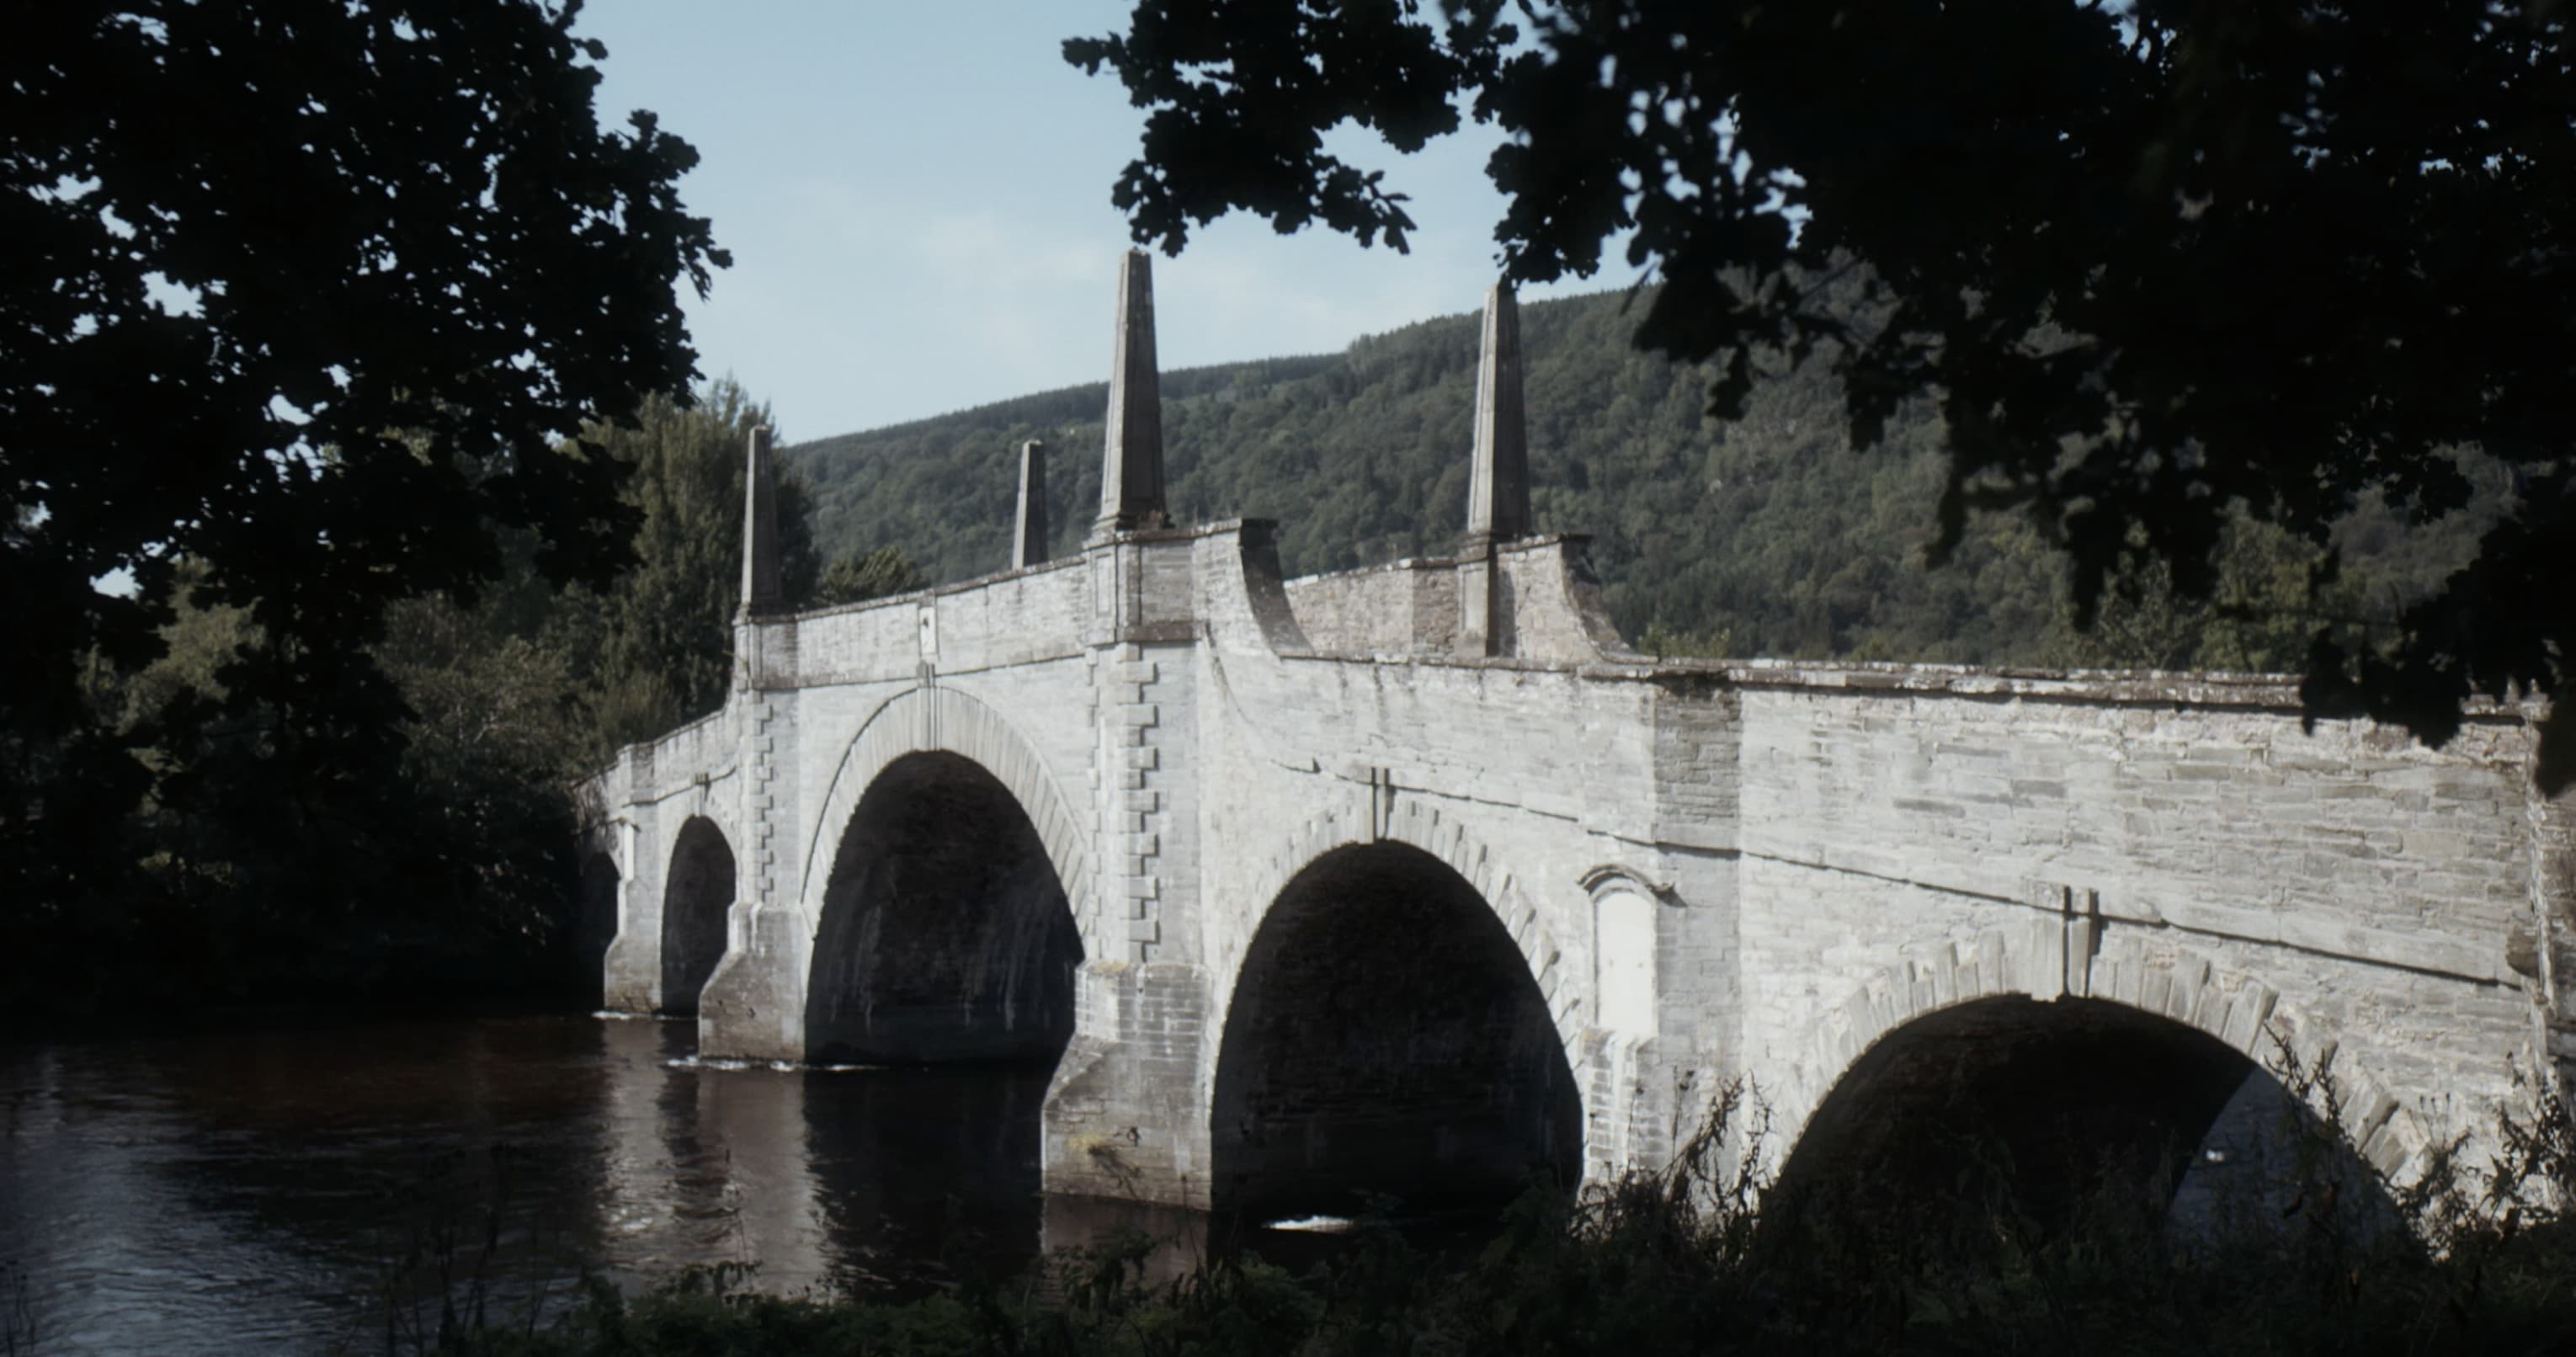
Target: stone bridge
<point>1417,879</point>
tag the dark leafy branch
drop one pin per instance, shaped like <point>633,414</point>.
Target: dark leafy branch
<point>314,297</point>
<point>2158,263</point>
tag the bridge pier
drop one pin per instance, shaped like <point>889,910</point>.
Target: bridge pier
<point>754,1005</point>
<point>1125,1115</point>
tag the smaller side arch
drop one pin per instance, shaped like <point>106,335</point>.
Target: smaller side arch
<point>698,892</point>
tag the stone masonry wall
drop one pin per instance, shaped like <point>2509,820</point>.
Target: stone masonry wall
<point>1405,608</point>
<point>2369,882</point>
<point>1550,604</point>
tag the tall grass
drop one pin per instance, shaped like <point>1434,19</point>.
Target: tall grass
<point>1709,1255</point>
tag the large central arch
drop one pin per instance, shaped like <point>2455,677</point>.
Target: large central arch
<point>943,720</point>
<point>945,933</point>
<point>1387,1040</point>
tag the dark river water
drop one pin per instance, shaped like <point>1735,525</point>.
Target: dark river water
<point>295,1189</point>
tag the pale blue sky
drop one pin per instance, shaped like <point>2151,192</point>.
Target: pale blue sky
<point>917,200</point>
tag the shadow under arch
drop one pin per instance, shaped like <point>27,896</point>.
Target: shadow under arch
<point>2053,1112</point>
<point>1386,1039</point>
<point>945,933</point>
<point>697,895</point>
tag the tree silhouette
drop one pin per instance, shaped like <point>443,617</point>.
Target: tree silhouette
<point>664,653</point>
<point>303,293</point>
<point>2160,263</point>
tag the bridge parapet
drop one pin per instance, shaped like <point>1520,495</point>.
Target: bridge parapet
<point>1546,606</point>
<point>1404,608</point>
<point>993,621</point>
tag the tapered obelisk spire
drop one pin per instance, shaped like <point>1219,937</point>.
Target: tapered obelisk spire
<point>760,592</point>
<point>1498,483</point>
<point>1029,533</point>
<point>1131,470</point>
<point>1498,508</point>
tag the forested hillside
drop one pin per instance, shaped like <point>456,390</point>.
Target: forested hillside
<point>1767,535</point>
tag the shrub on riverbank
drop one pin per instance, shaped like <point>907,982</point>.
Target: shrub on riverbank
<point>1697,1259</point>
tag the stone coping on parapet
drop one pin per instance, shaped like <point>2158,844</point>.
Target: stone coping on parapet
<point>2154,687</point>
<point>664,738</point>
<point>2182,688</point>
<point>2189,687</point>
<point>1052,563</point>
<point>915,596</point>
<point>1219,528</point>
<point>1501,545</point>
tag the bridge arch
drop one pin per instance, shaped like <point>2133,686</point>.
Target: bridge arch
<point>1445,837</point>
<point>943,720</point>
<point>2011,1029</point>
<point>1395,1023</point>
<point>698,893</point>
<point>943,918</point>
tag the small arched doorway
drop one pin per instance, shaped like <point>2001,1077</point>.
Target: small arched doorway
<point>696,898</point>
<point>1386,1042</point>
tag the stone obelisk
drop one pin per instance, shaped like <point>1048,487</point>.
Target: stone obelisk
<point>1029,533</point>
<point>760,590</point>
<point>1131,469</point>
<point>1498,508</point>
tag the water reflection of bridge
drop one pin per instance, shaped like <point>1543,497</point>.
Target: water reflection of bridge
<point>875,1179</point>
<point>1416,879</point>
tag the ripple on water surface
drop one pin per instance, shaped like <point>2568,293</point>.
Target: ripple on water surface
<point>223,1190</point>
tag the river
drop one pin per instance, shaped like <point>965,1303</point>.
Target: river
<point>294,1187</point>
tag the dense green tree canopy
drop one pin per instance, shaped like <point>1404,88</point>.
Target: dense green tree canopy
<point>2161,264</point>
<point>304,293</point>
<point>880,573</point>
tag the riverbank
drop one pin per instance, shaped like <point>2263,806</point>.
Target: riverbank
<point>1689,1262</point>
<point>2319,1256</point>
